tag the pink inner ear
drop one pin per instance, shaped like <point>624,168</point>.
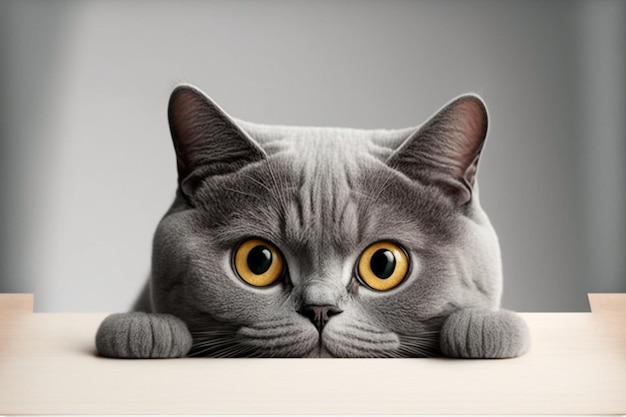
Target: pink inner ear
<point>184,123</point>
<point>207,141</point>
<point>445,150</point>
<point>469,117</point>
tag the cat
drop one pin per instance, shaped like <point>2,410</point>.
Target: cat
<point>321,242</point>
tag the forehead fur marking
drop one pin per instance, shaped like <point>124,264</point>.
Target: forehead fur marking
<point>327,173</point>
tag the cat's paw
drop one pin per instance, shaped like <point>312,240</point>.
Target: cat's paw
<point>484,334</point>
<point>143,336</point>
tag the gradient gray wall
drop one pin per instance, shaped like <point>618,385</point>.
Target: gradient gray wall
<point>88,168</point>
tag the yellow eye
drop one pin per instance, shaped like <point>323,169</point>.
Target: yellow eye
<point>383,266</point>
<point>258,262</point>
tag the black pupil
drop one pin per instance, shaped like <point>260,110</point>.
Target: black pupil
<point>383,263</point>
<point>259,260</point>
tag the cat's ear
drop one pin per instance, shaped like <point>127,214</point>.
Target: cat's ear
<point>445,150</point>
<point>207,141</point>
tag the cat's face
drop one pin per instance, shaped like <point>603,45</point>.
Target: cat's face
<point>314,242</point>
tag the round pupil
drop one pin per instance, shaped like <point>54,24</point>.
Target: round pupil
<point>259,260</point>
<point>383,263</point>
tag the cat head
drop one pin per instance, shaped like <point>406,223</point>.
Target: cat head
<point>294,241</point>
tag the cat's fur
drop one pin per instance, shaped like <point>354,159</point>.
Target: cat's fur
<point>321,195</point>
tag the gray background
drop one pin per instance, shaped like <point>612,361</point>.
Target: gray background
<point>88,168</point>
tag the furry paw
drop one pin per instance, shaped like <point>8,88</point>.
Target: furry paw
<point>143,336</point>
<point>484,334</point>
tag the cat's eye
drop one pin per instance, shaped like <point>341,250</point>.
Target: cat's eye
<point>258,262</point>
<point>383,266</point>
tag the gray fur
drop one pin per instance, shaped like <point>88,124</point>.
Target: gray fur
<point>143,336</point>
<point>484,334</point>
<point>322,195</point>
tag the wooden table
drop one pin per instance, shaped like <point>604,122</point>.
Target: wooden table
<point>577,365</point>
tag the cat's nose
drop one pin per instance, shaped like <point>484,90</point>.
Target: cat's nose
<point>319,315</point>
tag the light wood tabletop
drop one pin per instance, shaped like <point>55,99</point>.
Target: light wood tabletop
<point>48,365</point>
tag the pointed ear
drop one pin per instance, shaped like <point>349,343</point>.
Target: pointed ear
<point>445,150</point>
<point>207,141</point>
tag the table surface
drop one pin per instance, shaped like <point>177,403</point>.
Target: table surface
<point>48,365</point>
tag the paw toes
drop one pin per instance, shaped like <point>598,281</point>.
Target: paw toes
<point>143,335</point>
<point>484,334</point>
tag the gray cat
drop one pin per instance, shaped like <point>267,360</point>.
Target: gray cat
<point>321,242</point>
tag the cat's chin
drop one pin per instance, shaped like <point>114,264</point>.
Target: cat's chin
<point>319,353</point>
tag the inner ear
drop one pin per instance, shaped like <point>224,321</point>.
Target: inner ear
<point>445,150</point>
<point>207,141</point>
